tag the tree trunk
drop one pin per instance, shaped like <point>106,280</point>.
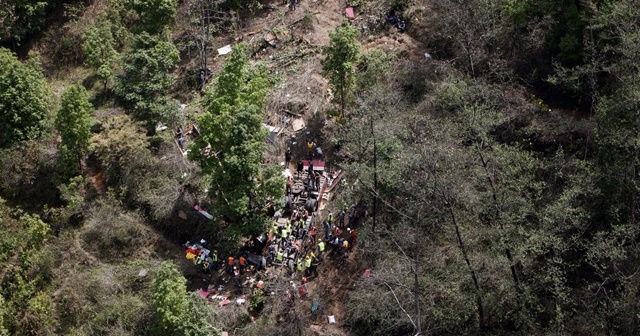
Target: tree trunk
<point>474,277</point>
<point>375,176</point>
<point>494,193</point>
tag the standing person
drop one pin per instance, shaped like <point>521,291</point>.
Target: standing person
<point>310,145</point>
<point>343,213</point>
<point>321,248</point>
<point>243,264</point>
<point>313,233</point>
<point>352,236</point>
<point>330,217</point>
<point>292,4</point>
<point>287,157</point>
<point>214,260</point>
<point>300,167</point>
<point>327,230</point>
<point>230,264</point>
<point>310,168</point>
<point>317,181</point>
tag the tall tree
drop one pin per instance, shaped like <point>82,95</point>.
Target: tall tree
<point>176,312</point>
<point>73,123</point>
<point>230,148</point>
<point>146,77</point>
<point>339,64</point>
<point>99,47</point>
<point>24,99</point>
<point>155,15</point>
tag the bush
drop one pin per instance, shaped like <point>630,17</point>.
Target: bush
<point>111,232</point>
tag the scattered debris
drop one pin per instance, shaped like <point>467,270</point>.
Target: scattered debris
<point>298,124</point>
<point>427,56</point>
<point>332,319</point>
<point>202,212</point>
<point>367,273</point>
<point>160,127</point>
<point>224,50</point>
<point>350,14</point>
<point>143,272</point>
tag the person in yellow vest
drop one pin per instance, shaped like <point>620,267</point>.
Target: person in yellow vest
<point>300,266</point>
<point>214,260</point>
<point>275,229</point>
<point>279,257</point>
<point>330,217</point>
<point>321,247</point>
<point>307,265</point>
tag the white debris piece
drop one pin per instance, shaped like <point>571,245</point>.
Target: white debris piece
<point>224,50</point>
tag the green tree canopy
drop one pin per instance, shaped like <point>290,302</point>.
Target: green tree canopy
<point>24,99</point>
<point>73,123</point>
<point>146,76</point>
<point>21,17</point>
<point>99,47</point>
<point>155,15</point>
<point>232,126</point>
<point>176,312</point>
<point>340,62</point>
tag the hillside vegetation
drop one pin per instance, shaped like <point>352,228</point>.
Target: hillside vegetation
<point>486,151</point>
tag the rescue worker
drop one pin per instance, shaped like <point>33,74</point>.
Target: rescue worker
<point>287,157</point>
<point>307,264</point>
<point>280,257</point>
<point>230,264</point>
<point>321,248</point>
<point>243,264</point>
<point>214,260</point>
<point>330,217</point>
<point>299,167</point>
<point>313,232</point>
<point>352,236</point>
<point>300,266</point>
<point>345,246</point>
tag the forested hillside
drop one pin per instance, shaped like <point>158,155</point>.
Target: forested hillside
<point>319,167</point>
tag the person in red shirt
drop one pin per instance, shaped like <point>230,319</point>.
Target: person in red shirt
<point>313,233</point>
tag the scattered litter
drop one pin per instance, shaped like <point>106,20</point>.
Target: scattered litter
<point>143,272</point>
<point>203,293</point>
<point>183,106</point>
<point>298,124</point>
<point>224,50</point>
<point>224,303</point>
<point>349,12</point>
<point>224,333</point>
<point>160,127</point>
<point>240,301</point>
<point>273,131</point>
<point>427,55</point>
<point>332,319</point>
<point>367,273</point>
<point>302,290</point>
<point>202,212</point>
<point>271,39</point>
<point>315,306</point>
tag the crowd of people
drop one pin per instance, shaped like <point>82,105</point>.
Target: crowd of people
<point>293,241</point>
